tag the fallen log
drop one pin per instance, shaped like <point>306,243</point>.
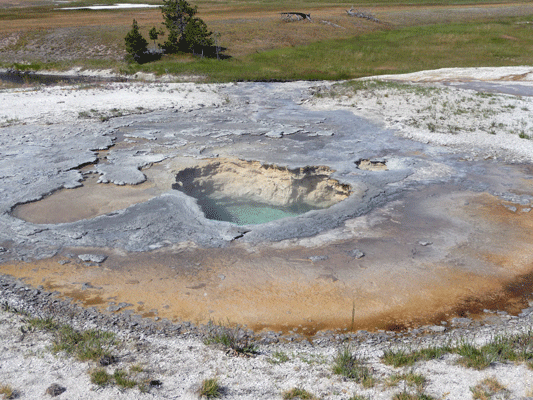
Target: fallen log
<point>353,13</point>
<point>295,16</point>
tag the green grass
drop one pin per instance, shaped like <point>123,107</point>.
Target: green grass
<point>348,365</point>
<point>278,357</point>
<point>100,377</point>
<point>516,348</point>
<point>472,44</point>
<point>46,324</point>
<point>359,397</point>
<point>411,396</point>
<point>84,345</point>
<point>298,393</point>
<point>122,379</point>
<point>411,379</point>
<point>210,388</point>
<point>403,358</point>
<point>395,51</point>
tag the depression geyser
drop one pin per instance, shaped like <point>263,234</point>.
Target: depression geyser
<point>248,192</point>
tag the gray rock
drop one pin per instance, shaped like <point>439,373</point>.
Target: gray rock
<point>437,328</point>
<point>356,253</point>
<point>277,134</point>
<point>55,390</point>
<point>461,321</point>
<point>318,258</point>
<point>424,243</point>
<point>526,311</point>
<point>96,258</point>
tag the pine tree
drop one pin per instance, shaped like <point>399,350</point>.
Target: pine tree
<point>154,34</point>
<point>185,31</point>
<point>136,44</point>
<point>196,35</point>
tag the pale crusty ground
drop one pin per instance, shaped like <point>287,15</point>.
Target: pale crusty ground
<point>181,363</point>
<point>485,125</point>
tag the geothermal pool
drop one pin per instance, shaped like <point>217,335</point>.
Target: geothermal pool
<point>250,205</point>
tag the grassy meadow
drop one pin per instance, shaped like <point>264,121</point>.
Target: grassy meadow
<point>409,36</point>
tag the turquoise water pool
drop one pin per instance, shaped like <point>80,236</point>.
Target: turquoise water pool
<point>242,212</point>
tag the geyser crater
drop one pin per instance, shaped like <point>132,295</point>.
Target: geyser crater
<point>248,192</point>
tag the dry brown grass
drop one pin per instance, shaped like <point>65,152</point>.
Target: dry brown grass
<point>245,28</point>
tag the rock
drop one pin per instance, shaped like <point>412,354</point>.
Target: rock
<point>88,285</point>
<point>461,321</point>
<point>437,328</point>
<point>3,249</point>
<point>318,258</point>
<point>96,258</point>
<point>155,383</point>
<point>526,311</point>
<point>356,253</point>
<point>275,134</point>
<point>424,243</point>
<point>55,390</point>
<point>106,360</point>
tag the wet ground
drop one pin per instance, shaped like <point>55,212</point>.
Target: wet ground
<point>429,235</point>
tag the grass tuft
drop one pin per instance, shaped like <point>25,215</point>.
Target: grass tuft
<point>359,397</point>
<point>44,324</point>
<point>100,377</point>
<point>231,336</point>
<point>7,392</point>
<point>297,393</point>
<point>122,379</point>
<point>210,389</point>
<point>517,348</point>
<point>473,357</point>
<point>412,396</point>
<point>278,357</point>
<point>487,388</point>
<point>411,379</point>
<point>348,365</point>
<point>401,358</point>
<point>86,345</point>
